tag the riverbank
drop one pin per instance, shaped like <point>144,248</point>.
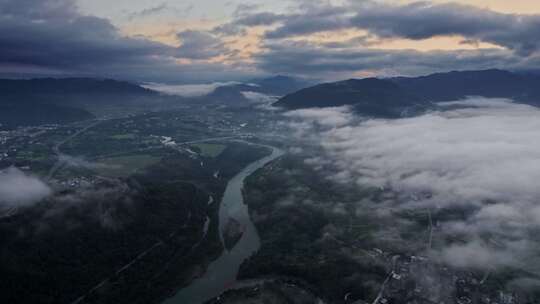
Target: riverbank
<point>222,273</point>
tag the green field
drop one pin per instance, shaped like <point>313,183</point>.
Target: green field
<point>125,165</point>
<point>210,150</point>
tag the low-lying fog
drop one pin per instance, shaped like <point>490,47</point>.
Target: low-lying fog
<point>20,189</point>
<point>187,90</point>
<point>479,155</point>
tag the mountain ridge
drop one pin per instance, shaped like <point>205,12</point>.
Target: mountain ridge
<point>359,93</point>
<point>36,101</point>
<point>377,96</point>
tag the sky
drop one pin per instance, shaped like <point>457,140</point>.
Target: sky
<point>204,40</point>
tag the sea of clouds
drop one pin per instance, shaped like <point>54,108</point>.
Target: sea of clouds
<point>478,154</point>
<point>187,90</point>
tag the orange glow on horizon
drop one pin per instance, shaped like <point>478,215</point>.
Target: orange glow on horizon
<point>243,47</point>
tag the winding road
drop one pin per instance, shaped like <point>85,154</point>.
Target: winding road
<point>56,149</point>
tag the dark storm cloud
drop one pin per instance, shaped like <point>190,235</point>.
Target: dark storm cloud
<point>245,20</point>
<point>362,40</point>
<point>314,18</point>
<point>423,20</point>
<point>419,20</point>
<point>308,18</point>
<point>260,19</point>
<point>305,58</point>
<point>160,9</point>
<point>51,35</point>
<point>284,50</point>
<point>200,45</point>
<point>149,11</point>
<point>37,10</point>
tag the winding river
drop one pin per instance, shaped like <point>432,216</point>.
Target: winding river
<point>221,273</point>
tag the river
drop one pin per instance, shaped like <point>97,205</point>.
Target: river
<point>221,273</point>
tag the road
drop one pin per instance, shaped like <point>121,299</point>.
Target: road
<point>430,240</point>
<point>119,271</point>
<point>212,139</point>
<point>56,148</point>
<point>383,286</point>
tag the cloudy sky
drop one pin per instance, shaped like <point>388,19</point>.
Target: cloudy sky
<point>207,40</point>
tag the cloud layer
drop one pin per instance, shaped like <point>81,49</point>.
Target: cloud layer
<point>310,38</point>
<point>307,39</point>
<point>480,157</point>
<point>422,20</point>
<point>416,21</point>
<point>52,37</point>
<point>18,189</point>
<point>187,90</point>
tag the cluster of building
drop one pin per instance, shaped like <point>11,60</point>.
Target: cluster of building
<point>76,182</point>
<point>417,280</point>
